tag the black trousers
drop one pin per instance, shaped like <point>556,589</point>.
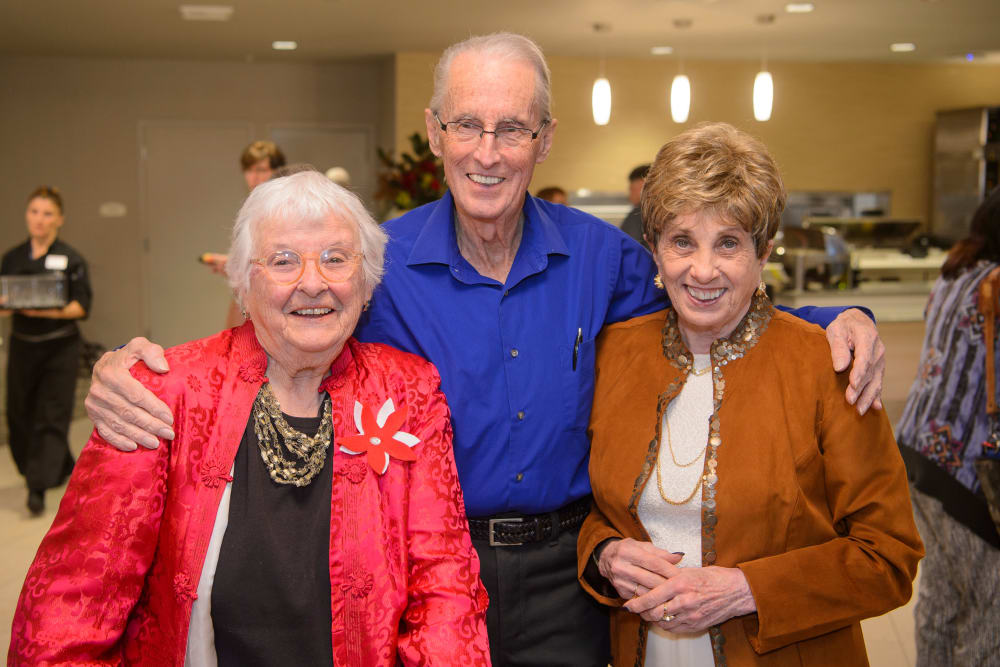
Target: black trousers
<point>41,382</point>
<point>538,614</point>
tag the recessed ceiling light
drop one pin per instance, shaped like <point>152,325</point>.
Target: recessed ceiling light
<point>799,7</point>
<point>902,47</point>
<point>661,50</point>
<point>284,45</point>
<point>206,12</point>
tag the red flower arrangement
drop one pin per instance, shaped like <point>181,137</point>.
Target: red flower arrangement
<point>414,180</point>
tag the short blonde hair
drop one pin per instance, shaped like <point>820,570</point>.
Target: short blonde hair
<point>717,168</point>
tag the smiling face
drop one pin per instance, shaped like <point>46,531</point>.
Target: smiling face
<point>305,324</point>
<point>488,181</point>
<point>44,220</point>
<point>710,269</point>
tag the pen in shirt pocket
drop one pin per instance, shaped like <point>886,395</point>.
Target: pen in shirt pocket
<point>576,345</point>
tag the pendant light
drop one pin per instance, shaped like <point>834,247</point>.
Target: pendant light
<point>680,98</point>
<point>600,97</point>
<point>763,95</point>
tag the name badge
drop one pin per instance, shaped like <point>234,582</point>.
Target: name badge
<point>56,262</point>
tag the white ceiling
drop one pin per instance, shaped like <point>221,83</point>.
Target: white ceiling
<point>838,30</point>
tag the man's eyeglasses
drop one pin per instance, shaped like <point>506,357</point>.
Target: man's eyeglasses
<point>508,136</point>
<point>285,267</point>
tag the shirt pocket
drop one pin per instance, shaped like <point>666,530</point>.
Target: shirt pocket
<point>578,384</point>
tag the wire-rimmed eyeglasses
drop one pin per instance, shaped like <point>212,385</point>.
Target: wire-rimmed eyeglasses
<point>507,135</point>
<point>335,265</point>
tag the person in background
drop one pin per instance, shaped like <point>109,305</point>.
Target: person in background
<point>943,430</point>
<point>719,431</point>
<point>554,194</point>
<point>632,225</point>
<point>505,294</point>
<point>307,513</point>
<point>340,176</point>
<point>258,161</point>
<point>44,357</point>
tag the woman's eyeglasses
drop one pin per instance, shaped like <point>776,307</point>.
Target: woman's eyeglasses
<point>335,265</point>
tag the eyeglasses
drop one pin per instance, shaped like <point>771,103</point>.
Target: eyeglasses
<point>285,267</point>
<point>508,136</point>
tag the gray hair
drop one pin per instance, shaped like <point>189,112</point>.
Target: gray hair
<point>306,195</point>
<point>503,46</point>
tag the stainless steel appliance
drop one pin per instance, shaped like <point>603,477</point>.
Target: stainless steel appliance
<point>966,167</point>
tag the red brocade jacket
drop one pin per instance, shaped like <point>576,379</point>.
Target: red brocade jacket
<point>115,578</point>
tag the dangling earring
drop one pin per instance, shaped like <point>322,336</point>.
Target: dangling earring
<point>762,289</point>
<point>367,303</point>
<point>658,282</point>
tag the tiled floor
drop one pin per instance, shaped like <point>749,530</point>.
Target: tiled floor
<point>889,638</point>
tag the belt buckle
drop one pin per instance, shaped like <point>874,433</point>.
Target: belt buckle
<point>493,541</point>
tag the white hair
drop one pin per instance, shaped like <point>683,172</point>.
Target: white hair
<point>307,196</point>
<point>504,46</point>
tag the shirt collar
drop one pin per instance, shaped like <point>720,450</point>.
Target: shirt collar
<point>437,243</point>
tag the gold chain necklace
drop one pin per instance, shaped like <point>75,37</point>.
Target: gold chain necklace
<point>659,482</point>
<point>268,423</point>
<point>700,371</point>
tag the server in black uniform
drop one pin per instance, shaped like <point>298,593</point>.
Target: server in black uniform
<point>44,352</point>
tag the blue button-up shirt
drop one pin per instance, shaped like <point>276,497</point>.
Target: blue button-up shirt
<point>517,358</point>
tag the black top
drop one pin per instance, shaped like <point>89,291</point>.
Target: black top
<point>18,262</point>
<point>271,595</point>
<point>632,225</point>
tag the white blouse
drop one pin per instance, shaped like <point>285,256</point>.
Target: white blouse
<point>678,527</point>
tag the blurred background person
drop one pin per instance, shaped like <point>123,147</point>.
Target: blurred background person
<point>317,469</point>
<point>943,430</point>
<point>258,161</point>
<point>44,358</point>
<point>340,176</point>
<point>554,194</point>
<point>720,434</point>
<point>632,225</point>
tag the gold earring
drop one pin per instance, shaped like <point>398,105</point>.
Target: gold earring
<point>367,303</point>
<point>658,282</point>
<point>762,289</point>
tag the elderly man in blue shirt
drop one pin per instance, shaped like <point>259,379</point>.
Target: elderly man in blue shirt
<point>505,294</point>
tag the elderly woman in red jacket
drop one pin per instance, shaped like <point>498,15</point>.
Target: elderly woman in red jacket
<point>307,511</point>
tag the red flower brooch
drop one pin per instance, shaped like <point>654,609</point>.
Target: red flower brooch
<point>379,436</point>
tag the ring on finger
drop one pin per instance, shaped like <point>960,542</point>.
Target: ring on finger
<point>667,617</point>
<point>635,593</point>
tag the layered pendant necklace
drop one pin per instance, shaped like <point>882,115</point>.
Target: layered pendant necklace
<point>308,453</point>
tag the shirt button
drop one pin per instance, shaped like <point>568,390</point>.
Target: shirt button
<point>506,292</point>
<point>520,476</point>
<point>513,352</point>
<point>520,414</point>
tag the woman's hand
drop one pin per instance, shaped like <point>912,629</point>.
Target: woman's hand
<point>123,411</point>
<point>694,599</point>
<point>634,567</point>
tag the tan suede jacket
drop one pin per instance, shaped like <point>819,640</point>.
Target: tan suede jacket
<point>805,496</point>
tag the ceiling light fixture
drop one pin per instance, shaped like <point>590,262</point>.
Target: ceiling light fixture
<point>287,45</point>
<point>600,96</point>
<point>206,12</point>
<point>661,50</point>
<point>902,47</point>
<point>763,95</point>
<point>680,98</point>
<point>799,7</point>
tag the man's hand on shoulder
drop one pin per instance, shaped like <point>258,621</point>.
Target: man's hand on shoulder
<point>853,331</point>
<point>124,412</point>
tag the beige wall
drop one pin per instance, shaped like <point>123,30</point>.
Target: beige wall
<point>74,123</point>
<point>834,127</point>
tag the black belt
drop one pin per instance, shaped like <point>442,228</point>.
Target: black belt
<point>511,530</point>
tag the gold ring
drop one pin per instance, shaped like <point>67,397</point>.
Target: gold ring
<point>635,593</point>
<point>666,618</point>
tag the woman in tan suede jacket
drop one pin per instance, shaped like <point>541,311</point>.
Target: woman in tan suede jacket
<point>744,513</point>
